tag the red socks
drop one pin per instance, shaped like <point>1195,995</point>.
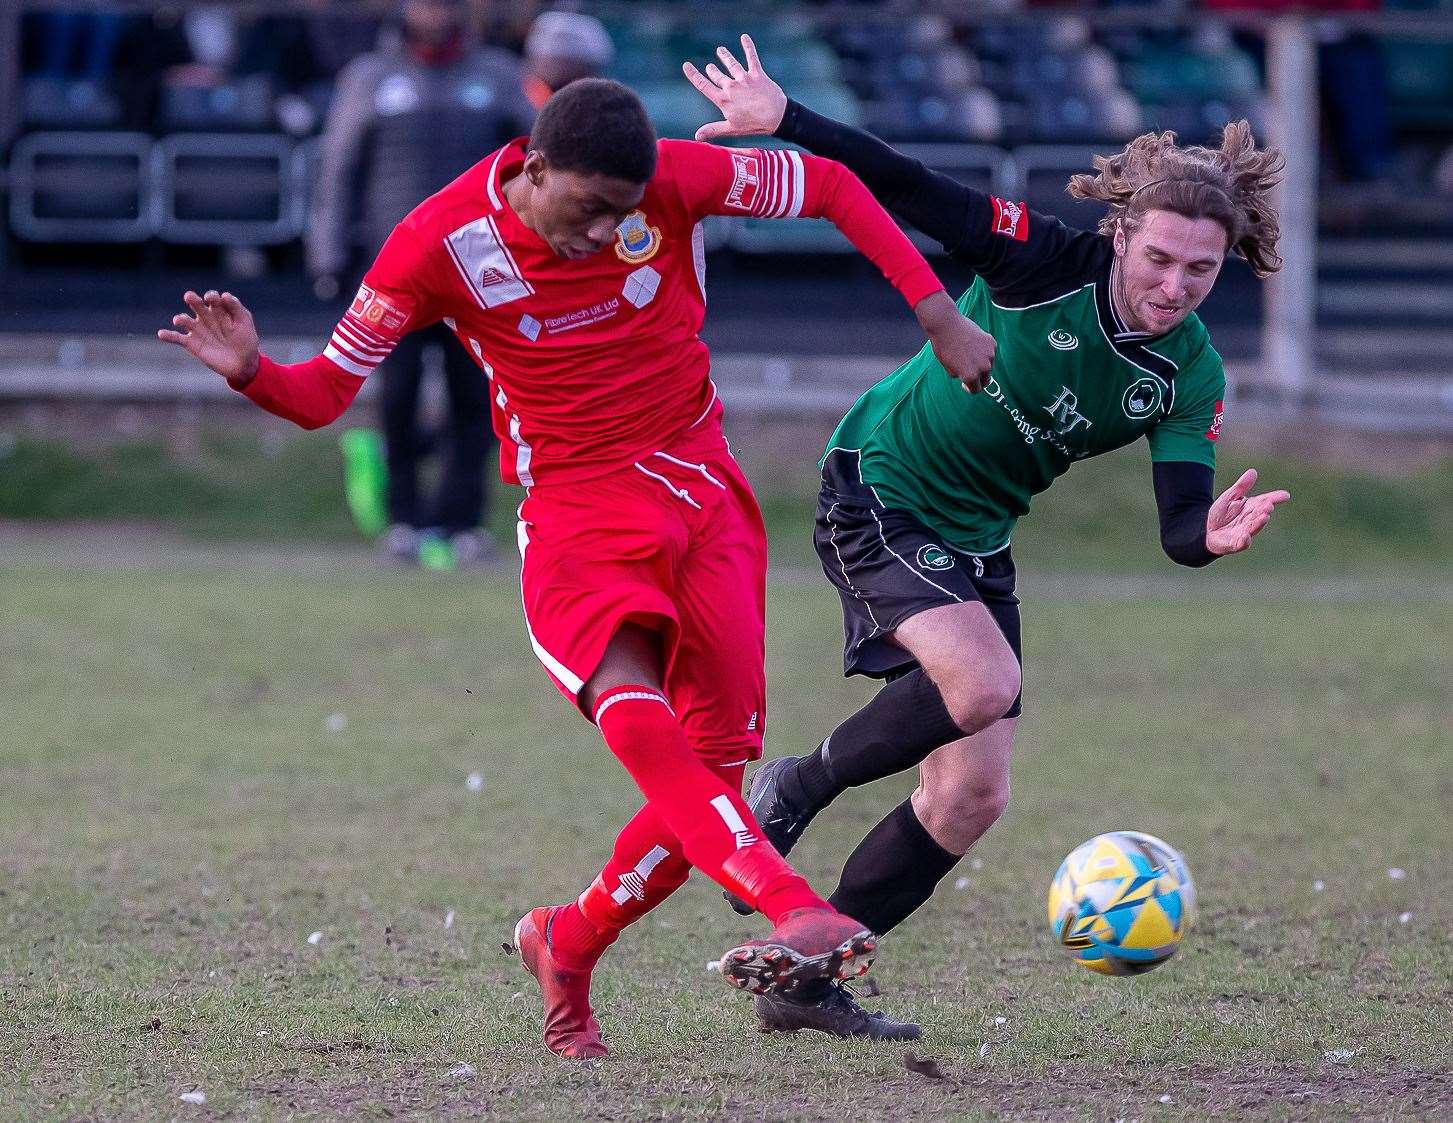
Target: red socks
<point>694,805</point>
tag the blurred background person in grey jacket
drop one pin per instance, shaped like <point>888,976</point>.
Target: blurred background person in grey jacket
<point>405,120</point>
<point>561,47</point>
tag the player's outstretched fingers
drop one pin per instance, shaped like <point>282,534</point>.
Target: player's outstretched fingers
<point>704,87</point>
<point>749,49</point>
<point>729,60</point>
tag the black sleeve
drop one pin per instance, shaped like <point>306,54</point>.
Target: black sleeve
<point>1183,496</point>
<point>1003,241</point>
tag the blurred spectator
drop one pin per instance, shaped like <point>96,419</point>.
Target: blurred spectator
<point>1355,96</point>
<point>405,120</point>
<point>76,44</point>
<point>151,47</point>
<point>561,47</point>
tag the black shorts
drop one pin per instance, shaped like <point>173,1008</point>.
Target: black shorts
<point>887,566</point>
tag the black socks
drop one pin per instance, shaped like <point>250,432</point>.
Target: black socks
<point>893,871</point>
<point>904,722</point>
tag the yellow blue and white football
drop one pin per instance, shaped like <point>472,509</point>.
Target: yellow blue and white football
<point>1121,903</point>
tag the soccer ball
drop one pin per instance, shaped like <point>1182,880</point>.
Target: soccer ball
<point>1121,903</point>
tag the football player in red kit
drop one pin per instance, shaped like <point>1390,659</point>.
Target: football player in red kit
<point>570,265</point>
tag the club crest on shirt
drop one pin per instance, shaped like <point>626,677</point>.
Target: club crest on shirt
<point>635,240</point>
<point>1143,398</point>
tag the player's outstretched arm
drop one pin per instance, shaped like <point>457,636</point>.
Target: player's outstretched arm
<point>1237,516</point>
<point>219,333</point>
<point>752,104</point>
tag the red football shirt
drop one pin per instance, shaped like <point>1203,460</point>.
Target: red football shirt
<point>596,362</point>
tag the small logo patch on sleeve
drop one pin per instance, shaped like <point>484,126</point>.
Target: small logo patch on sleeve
<point>1011,220</point>
<point>746,181</point>
<point>1214,432</point>
<point>377,310</point>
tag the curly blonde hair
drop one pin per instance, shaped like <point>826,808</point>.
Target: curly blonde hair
<point>1230,184</point>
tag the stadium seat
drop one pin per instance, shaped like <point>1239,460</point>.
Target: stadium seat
<point>240,105</point>
<point>1041,173</point>
<point>60,103</point>
<point>229,190</point>
<point>1420,82</point>
<point>82,187</point>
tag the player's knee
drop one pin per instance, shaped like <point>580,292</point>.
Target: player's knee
<point>958,812</point>
<point>978,703</point>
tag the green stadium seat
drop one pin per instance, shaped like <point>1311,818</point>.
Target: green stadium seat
<point>1420,84</point>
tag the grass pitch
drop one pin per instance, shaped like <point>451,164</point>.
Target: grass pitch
<point>199,770</point>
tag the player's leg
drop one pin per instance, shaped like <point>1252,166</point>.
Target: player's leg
<point>902,592</point>
<point>461,505</point>
<point>401,373</point>
<point>626,699</point>
<point>963,789</point>
<point>970,682</point>
<point>561,944</point>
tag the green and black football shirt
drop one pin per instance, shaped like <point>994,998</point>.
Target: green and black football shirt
<point>1070,380</point>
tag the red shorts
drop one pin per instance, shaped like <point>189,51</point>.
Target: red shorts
<point>674,542</point>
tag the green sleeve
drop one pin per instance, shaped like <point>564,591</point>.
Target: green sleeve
<point>1193,426</point>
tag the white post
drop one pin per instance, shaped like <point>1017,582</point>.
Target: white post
<point>1290,307</point>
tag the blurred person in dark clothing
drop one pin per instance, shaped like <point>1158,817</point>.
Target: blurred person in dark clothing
<point>561,47</point>
<point>405,120</point>
<point>1354,86</point>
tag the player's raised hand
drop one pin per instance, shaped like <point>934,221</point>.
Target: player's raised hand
<point>1237,516</point>
<point>965,349</point>
<point>751,103</point>
<point>219,332</point>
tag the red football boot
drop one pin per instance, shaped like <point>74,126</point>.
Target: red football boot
<point>806,945</point>
<point>570,1026</point>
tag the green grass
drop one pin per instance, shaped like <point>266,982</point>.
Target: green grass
<point>278,486</point>
<point>176,818</point>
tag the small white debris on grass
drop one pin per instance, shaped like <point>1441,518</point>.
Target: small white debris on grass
<point>1339,1056</point>
<point>1404,917</point>
<point>984,1049</point>
<point>977,864</point>
<point>462,1071</point>
<point>474,781</point>
<point>961,883</point>
<point>1318,886</point>
<point>197,1097</point>
<point>1165,1099</point>
<point>316,938</point>
<point>449,919</point>
<point>1000,1021</point>
<point>713,965</point>
<point>337,723</point>
<point>1397,873</point>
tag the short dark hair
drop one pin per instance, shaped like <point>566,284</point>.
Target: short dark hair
<point>597,127</point>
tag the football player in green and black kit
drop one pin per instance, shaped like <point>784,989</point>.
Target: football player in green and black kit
<point>1095,345</point>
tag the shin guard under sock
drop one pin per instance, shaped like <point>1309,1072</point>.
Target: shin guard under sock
<point>893,871</point>
<point>905,721</point>
<point>717,831</point>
